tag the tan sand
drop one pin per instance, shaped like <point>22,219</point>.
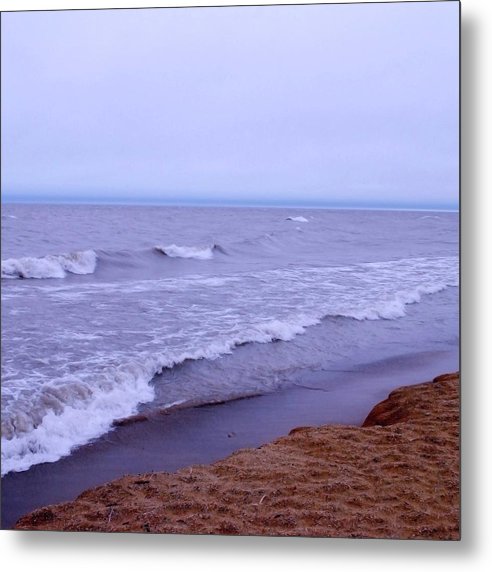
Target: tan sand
<point>395,477</point>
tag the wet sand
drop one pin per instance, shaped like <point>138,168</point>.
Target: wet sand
<point>397,476</point>
<point>206,434</point>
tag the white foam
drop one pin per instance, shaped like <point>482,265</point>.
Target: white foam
<point>51,266</point>
<point>71,411</point>
<point>297,218</point>
<point>174,251</point>
<point>74,415</point>
<point>394,306</point>
<point>46,417</point>
<point>286,330</point>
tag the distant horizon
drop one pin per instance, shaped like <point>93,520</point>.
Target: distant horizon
<point>226,204</point>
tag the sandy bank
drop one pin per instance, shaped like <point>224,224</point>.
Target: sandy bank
<point>395,477</point>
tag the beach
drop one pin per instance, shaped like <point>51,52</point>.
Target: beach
<point>397,476</point>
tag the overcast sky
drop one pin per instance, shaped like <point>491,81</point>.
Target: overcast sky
<point>336,105</point>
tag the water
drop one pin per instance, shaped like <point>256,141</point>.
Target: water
<point>112,310</point>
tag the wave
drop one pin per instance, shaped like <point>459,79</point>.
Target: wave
<point>197,252</point>
<point>71,411</point>
<point>44,422</point>
<point>50,266</point>
<point>85,262</point>
<point>393,308</point>
<point>297,218</point>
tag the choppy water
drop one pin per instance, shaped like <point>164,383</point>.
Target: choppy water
<point>108,310</point>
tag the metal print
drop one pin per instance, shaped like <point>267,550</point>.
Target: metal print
<point>230,270</point>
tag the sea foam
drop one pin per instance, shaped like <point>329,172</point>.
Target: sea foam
<point>297,218</point>
<point>174,251</point>
<point>50,266</point>
<point>71,411</point>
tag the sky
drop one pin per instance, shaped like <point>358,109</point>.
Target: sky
<point>331,105</point>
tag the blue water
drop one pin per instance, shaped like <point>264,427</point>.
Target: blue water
<point>112,310</point>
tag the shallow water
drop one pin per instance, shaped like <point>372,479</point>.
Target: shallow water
<point>110,310</point>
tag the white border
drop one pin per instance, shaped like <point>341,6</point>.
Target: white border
<point>64,4</point>
<point>82,552</point>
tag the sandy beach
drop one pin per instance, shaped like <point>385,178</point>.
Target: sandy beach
<point>397,476</point>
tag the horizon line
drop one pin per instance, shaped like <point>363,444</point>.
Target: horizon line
<point>225,204</point>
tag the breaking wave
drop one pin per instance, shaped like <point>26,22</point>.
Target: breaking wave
<point>197,252</point>
<point>85,262</point>
<point>50,266</point>
<point>53,404</point>
<point>72,410</point>
<point>297,218</point>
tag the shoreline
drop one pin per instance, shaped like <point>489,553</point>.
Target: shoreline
<point>205,434</point>
<point>396,476</point>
